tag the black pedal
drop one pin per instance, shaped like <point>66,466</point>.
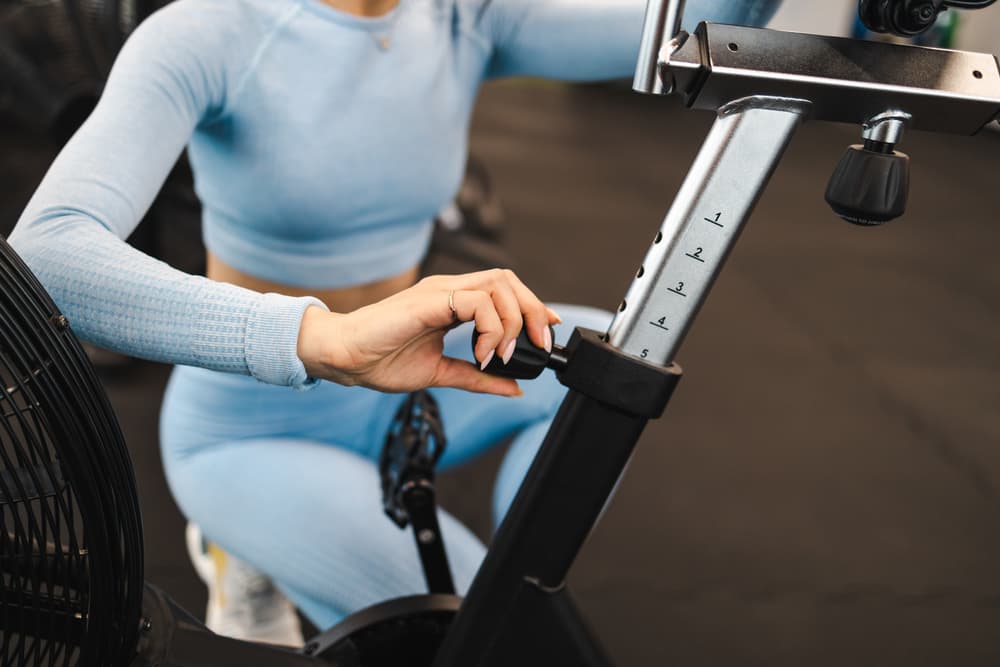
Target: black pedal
<point>413,447</point>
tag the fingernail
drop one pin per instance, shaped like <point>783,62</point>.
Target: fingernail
<point>554,314</point>
<point>547,342</point>
<point>519,394</point>
<point>486,361</point>
<point>509,352</point>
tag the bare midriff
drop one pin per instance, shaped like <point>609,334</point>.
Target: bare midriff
<point>340,300</point>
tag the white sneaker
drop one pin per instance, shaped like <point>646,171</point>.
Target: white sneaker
<point>242,602</point>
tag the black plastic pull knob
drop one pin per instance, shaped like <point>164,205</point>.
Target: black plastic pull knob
<point>527,362</point>
<point>900,17</point>
<point>869,186</point>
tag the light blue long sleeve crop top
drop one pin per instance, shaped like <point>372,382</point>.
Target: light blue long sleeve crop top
<point>322,145</point>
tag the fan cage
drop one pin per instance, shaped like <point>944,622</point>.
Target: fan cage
<point>70,531</point>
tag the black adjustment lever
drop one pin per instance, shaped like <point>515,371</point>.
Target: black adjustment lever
<point>528,360</point>
<point>871,183</point>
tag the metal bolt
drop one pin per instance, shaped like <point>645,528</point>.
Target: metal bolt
<point>886,127</point>
<point>61,322</point>
<point>147,625</point>
<point>426,536</point>
<point>310,648</point>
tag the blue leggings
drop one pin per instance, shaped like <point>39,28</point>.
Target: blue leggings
<point>288,480</point>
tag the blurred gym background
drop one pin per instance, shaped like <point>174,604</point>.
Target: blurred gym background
<point>825,487</point>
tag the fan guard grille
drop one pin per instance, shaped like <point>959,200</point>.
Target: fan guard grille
<point>70,532</point>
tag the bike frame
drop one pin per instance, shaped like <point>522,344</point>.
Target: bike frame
<point>517,610</point>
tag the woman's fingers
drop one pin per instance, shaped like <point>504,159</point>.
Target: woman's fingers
<point>509,310</point>
<point>496,283</point>
<point>395,344</point>
<point>478,306</point>
<point>513,306</point>
<point>463,375</point>
<point>536,315</point>
<point>504,284</point>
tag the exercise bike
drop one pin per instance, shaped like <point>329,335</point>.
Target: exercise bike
<point>85,596</point>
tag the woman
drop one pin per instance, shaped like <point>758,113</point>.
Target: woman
<point>324,136</point>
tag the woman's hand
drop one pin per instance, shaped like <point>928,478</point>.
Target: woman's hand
<point>396,344</point>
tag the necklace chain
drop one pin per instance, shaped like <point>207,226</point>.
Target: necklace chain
<point>383,38</point>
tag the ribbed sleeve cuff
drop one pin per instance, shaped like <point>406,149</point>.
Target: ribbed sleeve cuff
<point>272,337</point>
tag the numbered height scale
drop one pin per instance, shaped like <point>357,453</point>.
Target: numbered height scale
<point>727,178</point>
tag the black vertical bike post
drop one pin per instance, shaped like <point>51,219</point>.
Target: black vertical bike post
<point>762,84</point>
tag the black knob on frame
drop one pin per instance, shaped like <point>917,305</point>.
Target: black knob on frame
<point>900,17</point>
<point>527,362</point>
<point>870,184</point>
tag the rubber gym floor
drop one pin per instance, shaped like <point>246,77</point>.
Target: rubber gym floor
<point>825,486</point>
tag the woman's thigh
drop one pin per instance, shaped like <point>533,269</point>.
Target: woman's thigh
<point>203,409</point>
<point>309,515</point>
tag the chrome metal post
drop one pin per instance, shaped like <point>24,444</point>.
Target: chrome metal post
<point>727,178</point>
<point>661,27</point>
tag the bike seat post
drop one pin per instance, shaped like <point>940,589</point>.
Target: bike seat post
<point>730,173</point>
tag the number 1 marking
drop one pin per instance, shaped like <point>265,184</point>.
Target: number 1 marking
<point>715,221</point>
